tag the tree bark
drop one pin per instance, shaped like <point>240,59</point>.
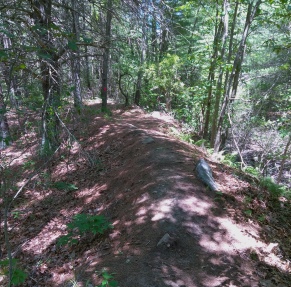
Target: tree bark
<point>143,49</point>
<point>49,66</point>
<point>211,74</point>
<point>219,86</point>
<point>5,138</point>
<point>10,79</point>
<point>75,62</point>
<point>105,62</point>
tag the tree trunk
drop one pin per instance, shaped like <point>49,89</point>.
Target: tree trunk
<point>75,62</point>
<point>143,49</point>
<point>219,87</point>
<point>231,87</point>
<point>50,76</point>
<point>105,62</point>
<point>211,74</point>
<point>284,157</point>
<point>10,79</point>
<point>5,138</point>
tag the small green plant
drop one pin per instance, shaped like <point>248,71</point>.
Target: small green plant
<point>274,189</point>
<point>182,136</point>
<point>230,160</point>
<point>252,171</point>
<point>107,279</point>
<point>247,199</point>
<point>18,275</point>
<point>218,196</point>
<point>262,218</point>
<point>254,255</point>
<point>107,113</point>
<point>248,212</point>
<point>82,224</point>
<point>16,214</point>
<point>29,164</point>
<point>60,185</point>
<point>202,143</point>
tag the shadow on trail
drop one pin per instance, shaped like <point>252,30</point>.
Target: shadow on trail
<point>152,191</point>
<point>146,187</point>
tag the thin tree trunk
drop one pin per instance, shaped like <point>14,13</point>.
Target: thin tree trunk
<point>211,75</point>
<point>50,77</point>
<point>5,138</point>
<point>105,62</point>
<point>284,157</point>
<point>76,68</point>
<point>231,88</point>
<point>87,69</point>
<point>221,72</point>
<point>143,49</point>
<point>10,79</point>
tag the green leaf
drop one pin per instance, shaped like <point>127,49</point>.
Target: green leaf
<point>113,283</point>
<point>3,54</point>
<point>106,275</point>
<point>18,277</point>
<point>248,212</point>
<point>73,45</point>
<point>5,262</point>
<point>22,66</point>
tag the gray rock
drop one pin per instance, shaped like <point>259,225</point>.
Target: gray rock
<point>147,140</point>
<point>165,240</point>
<point>168,241</point>
<point>204,173</point>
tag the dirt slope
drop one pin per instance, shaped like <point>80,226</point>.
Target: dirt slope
<point>133,171</point>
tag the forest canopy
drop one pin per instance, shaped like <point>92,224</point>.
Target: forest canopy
<point>222,68</point>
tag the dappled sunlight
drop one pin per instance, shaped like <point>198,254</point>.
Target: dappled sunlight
<point>148,191</point>
<point>145,197</point>
<point>243,236</point>
<point>214,281</point>
<point>48,235</point>
<point>163,209</point>
<point>63,168</point>
<point>193,205</point>
<point>172,273</point>
<point>89,195</point>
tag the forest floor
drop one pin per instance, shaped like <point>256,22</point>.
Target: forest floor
<point>132,168</point>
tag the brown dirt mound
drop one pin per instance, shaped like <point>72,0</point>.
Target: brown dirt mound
<point>135,172</point>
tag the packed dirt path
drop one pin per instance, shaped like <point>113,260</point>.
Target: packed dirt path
<point>168,228</point>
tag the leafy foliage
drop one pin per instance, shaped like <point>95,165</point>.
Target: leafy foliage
<point>274,189</point>
<point>84,223</point>
<point>64,186</point>
<point>18,275</point>
<point>108,280</point>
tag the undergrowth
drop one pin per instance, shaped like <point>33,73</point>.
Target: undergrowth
<point>82,224</point>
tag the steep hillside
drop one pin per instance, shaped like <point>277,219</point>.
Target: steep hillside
<point>168,228</point>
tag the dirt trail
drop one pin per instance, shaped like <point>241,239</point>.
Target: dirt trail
<point>145,184</point>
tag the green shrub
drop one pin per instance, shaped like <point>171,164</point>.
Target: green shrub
<point>84,223</point>
<point>230,160</point>
<point>274,189</point>
<point>252,171</point>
